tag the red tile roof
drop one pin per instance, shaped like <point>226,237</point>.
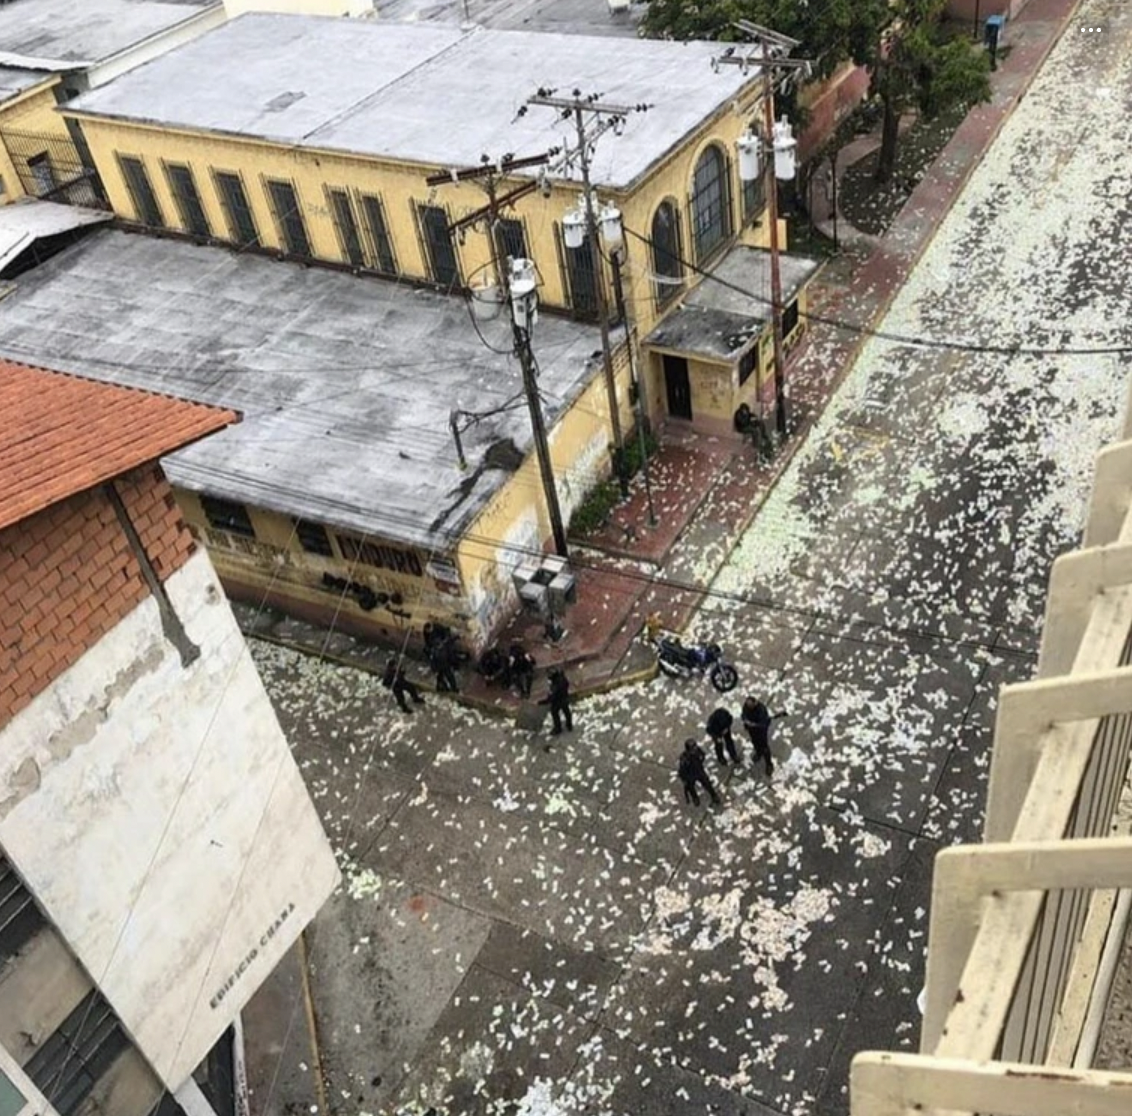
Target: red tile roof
<point>61,434</point>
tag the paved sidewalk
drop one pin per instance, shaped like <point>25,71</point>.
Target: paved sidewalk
<point>631,569</point>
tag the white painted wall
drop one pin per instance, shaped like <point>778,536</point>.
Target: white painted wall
<point>157,815</point>
<point>301,7</point>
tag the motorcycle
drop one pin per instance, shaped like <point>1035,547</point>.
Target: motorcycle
<point>680,661</point>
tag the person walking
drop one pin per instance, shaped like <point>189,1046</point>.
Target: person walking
<point>692,772</point>
<point>521,666</point>
<point>443,660</point>
<point>558,698</point>
<point>719,729</point>
<point>394,679</point>
<point>756,720</point>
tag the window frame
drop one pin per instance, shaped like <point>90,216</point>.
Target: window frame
<point>340,205</point>
<point>428,247</point>
<point>154,219</point>
<point>708,197</point>
<point>578,263</point>
<point>666,292</point>
<point>231,217</point>
<point>509,229</point>
<point>185,204</point>
<point>378,237</point>
<point>304,531</point>
<point>291,225</point>
<point>236,521</point>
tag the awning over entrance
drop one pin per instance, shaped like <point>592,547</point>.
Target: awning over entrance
<point>717,320</point>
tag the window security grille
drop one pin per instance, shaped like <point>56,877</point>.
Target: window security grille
<point>183,187</point>
<point>225,515</point>
<point>141,193</point>
<point>66,1066</point>
<point>313,538</point>
<point>747,363</point>
<point>439,249</point>
<point>289,221</point>
<point>377,235</point>
<point>238,213</point>
<point>581,278</point>
<point>666,252</point>
<point>20,918</point>
<point>346,226</point>
<point>512,238</point>
<point>711,204</point>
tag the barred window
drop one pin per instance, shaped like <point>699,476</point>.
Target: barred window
<point>146,209</point>
<point>313,538</point>
<point>711,203</point>
<point>377,235</point>
<point>225,515</point>
<point>234,201</point>
<point>666,261</point>
<point>581,279</point>
<point>440,252</point>
<point>512,238</point>
<point>183,187</point>
<point>346,225</point>
<point>292,229</point>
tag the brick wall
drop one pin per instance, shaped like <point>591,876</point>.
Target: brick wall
<point>67,576</point>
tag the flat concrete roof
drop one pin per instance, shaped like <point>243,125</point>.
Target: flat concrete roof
<point>570,17</point>
<point>345,383</point>
<point>82,32</point>
<point>422,93</point>
<point>718,321</point>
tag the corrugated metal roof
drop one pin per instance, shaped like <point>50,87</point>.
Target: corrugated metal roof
<point>24,222</point>
<point>63,434</point>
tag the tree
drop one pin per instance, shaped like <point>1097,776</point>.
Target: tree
<point>909,62</point>
<point>915,67</point>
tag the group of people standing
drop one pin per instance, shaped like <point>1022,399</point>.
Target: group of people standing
<point>756,719</point>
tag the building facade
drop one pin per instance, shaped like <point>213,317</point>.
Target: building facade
<point>158,849</point>
<point>309,141</point>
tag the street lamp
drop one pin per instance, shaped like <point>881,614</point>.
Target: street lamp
<point>751,149</point>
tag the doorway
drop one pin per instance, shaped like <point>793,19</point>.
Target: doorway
<point>677,386</point>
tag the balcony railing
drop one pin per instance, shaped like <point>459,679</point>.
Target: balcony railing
<point>1016,986</point>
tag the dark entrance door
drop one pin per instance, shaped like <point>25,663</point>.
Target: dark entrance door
<point>678,388</point>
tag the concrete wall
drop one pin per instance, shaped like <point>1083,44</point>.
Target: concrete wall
<point>967,9</point>
<point>157,816</point>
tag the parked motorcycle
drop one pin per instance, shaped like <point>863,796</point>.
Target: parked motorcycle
<point>680,661</point>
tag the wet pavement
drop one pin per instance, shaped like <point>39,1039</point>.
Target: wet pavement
<point>540,926</point>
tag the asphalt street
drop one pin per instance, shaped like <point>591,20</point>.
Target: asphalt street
<point>551,932</point>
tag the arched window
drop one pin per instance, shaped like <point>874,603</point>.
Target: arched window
<point>666,265</point>
<point>711,202</point>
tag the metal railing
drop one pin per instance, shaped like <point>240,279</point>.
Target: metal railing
<point>1022,925</point>
<point>51,167</point>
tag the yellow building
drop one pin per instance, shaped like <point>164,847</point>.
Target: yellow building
<point>55,49</point>
<point>310,140</point>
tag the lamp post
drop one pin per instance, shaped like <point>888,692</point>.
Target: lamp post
<point>606,221</point>
<point>752,149</point>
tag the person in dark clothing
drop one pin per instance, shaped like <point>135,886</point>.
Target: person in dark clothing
<point>443,661</point>
<point>521,667</point>
<point>394,679</point>
<point>435,635</point>
<point>558,699</point>
<point>756,720</point>
<point>693,772</point>
<point>719,729</point>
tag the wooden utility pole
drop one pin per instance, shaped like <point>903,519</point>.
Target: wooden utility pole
<point>592,118</point>
<point>488,177</point>
<point>772,50</point>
